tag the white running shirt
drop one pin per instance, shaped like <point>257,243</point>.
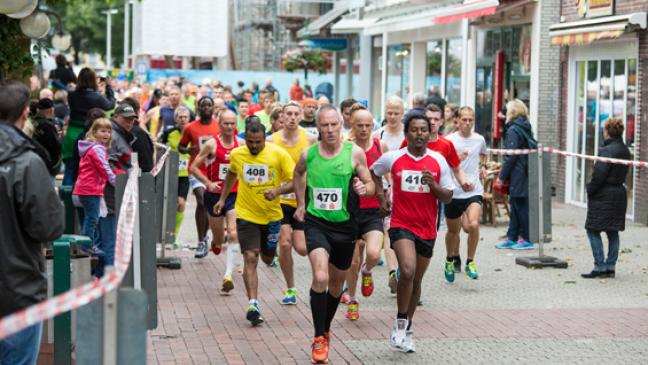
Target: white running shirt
<point>469,150</point>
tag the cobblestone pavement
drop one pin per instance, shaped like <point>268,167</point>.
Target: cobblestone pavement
<point>510,315</point>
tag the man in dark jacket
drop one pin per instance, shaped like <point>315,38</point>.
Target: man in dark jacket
<point>32,214</point>
<point>46,134</point>
<point>515,172</point>
<point>143,144</point>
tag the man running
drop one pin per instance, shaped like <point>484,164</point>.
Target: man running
<point>193,137</point>
<point>264,172</point>
<point>472,152</point>
<point>293,140</point>
<point>370,217</point>
<point>210,167</point>
<point>420,177</point>
<point>308,122</point>
<point>327,171</point>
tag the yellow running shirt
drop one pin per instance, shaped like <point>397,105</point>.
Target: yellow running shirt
<point>294,152</point>
<point>267,170</point>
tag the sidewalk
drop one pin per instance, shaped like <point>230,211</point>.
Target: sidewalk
<point>511,315</point>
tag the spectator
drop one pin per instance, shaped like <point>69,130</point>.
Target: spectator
<point>308,92</point>
<point>46,134</point>
<point>142,144</point>
<point>63,72</point>
<point>93,114</point>
<point>296,92</point>
<point>61,108</point>
<point>515,173</point>
<point>32,214</point>
<point>87,95</point>
<point>46,94</point>
<point>94,172</point>
<point>607,201</point>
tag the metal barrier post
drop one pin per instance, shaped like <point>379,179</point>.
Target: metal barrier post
<point>539,168</point>
<point>62,322</point>
<point>65,193</point>
<point>167,195</point>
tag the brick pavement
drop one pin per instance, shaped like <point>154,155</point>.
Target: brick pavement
<point>569,323</point>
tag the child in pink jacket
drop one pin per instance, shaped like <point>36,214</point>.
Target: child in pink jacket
<point>94,172</point>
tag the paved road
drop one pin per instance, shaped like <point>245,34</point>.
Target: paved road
<point>511,315</point>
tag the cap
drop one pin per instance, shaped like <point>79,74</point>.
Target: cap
<point>125,110</point>
<point>45,103</point>
<point>309,101</point>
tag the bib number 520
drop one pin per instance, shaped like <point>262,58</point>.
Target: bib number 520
<point>327,199</point>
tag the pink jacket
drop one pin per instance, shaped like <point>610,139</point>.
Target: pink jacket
<point>94,169</point>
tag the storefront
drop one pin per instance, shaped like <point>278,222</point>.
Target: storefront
<point>601,82</point>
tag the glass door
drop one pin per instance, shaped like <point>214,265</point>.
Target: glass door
<point>605,88</point>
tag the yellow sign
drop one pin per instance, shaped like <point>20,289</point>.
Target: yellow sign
<point>594,8</point>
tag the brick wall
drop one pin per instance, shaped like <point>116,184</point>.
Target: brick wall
<point>641,122</point>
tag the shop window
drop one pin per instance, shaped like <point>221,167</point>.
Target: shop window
<point>434,64</point>
<point>453,70</point>
<point>398,59</point>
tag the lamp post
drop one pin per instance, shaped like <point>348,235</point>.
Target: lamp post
<point>109,13</point>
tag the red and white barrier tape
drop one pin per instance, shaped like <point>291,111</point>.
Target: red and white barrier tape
<point>89,292</point>
<point>158,166</point>
<point>570,154</point>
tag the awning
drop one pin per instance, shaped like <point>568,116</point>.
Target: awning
<point>590,30</point>
<point>325,19</point>
<point>347,26</point>
<point>467,10</point>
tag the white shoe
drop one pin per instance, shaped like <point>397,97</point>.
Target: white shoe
<point>397,338</point>
<point>408,344</point>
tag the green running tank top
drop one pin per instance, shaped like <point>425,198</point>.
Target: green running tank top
<point>328,181</point>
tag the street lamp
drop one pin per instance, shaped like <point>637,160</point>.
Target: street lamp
<point>109,13</point>
<point>18,9</point>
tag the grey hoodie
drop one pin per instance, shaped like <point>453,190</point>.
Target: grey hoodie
<point>32,214</point>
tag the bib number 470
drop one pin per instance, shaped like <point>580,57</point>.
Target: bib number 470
<point>327,199</point>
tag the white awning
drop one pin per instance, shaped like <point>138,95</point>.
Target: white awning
<point>348,26</point>
<point>469,9</point>
<point>590,30</point>
<point>325,19</point>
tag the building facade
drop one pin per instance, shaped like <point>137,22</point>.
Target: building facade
<point>604,58</point>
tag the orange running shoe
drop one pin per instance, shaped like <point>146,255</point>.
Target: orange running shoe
<point>328,336</point>
<point>367,284</point>
<point>353,312</point>
<point>320,351</point>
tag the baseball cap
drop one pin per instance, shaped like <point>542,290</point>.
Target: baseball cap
<point>125,110</point>
<point>45,103</point>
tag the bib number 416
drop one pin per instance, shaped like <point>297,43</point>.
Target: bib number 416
<point>412,182</point>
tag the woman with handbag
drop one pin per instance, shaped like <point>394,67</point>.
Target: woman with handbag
<point>607,201</point>
<point>514,173</point>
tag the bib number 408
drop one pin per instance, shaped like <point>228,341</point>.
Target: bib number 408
<point>255,173</point>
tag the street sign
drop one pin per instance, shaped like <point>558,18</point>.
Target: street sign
<point>329,44</point>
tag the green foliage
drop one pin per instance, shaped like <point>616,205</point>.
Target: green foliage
<point>15,58</point>
<point>313,60</point>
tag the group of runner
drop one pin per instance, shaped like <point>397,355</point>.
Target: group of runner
<point>335,194</point>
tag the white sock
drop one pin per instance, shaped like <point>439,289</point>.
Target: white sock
<point>364,270</point>
<point>253,302</point>
<point>233,252</point>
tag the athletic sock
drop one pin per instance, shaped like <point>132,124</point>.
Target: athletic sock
<point>179,218</point>
<point>409,325</point>
<point>253,302</point>
<point>331,307</point>
<point>400,315</point>
<point>449,258</point>
<point>468,261</point>
<point>352,298</point>
<point>364,270</point>
<point>318,310</point>
<point>233,251</point>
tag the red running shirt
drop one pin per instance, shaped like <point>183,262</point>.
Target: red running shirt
<point>216,168</point>
<point>414,205</point>
<point>372,155</point>
<point>445,148</point>
<point>196,133</point>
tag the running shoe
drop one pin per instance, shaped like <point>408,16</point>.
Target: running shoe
<point>275,261</point>
<point>457,264</point>
<point>93,250</point>
<point>471,270</point>
<point>380,262</point>
<point>201,250</point>
<point>228,285</point>
<point>506,244</point>
<point>419,302</point>
<point>449,271</point>
<point>254,315</point>
<point>353,310</point>
<point>393,283</point>
<point>367,284</point>
<point>328,336</point>
<point>523,245</point>
<point>215,249</point>
<point>320,351</point>
<point>345,294</point>
<point>397,338</point>
<point>408,344</point>
<point>290,298</point>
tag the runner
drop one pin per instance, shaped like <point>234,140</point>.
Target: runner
<point>327,169</point>
<point>370,217</point>
<point>210,167</point>
<point>172,138</point>
<point>345,109</point>
<point>242,106</point>
<point>265,172</point>
<point>193,137</point>
<point>392,135</point>
<point>309,106</point>
<point>421,176</point>
<point>293,140</point>
<point>466,207</point>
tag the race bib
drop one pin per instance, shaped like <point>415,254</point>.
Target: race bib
<point>202,140</point>
<point>327,199</point>
<point>222,171</point>
<point>255,173</point>
<point>411,182</point>
<point>183,164</point>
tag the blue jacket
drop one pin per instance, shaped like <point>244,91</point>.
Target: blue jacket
<point>515,167</point>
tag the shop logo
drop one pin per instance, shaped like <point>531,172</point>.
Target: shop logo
<point>594,8</point>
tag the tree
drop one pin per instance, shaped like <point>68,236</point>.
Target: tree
<point>16,61</point>
<point>306,59</point>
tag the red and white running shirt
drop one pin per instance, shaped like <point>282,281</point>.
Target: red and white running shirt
<point>414,205</point>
